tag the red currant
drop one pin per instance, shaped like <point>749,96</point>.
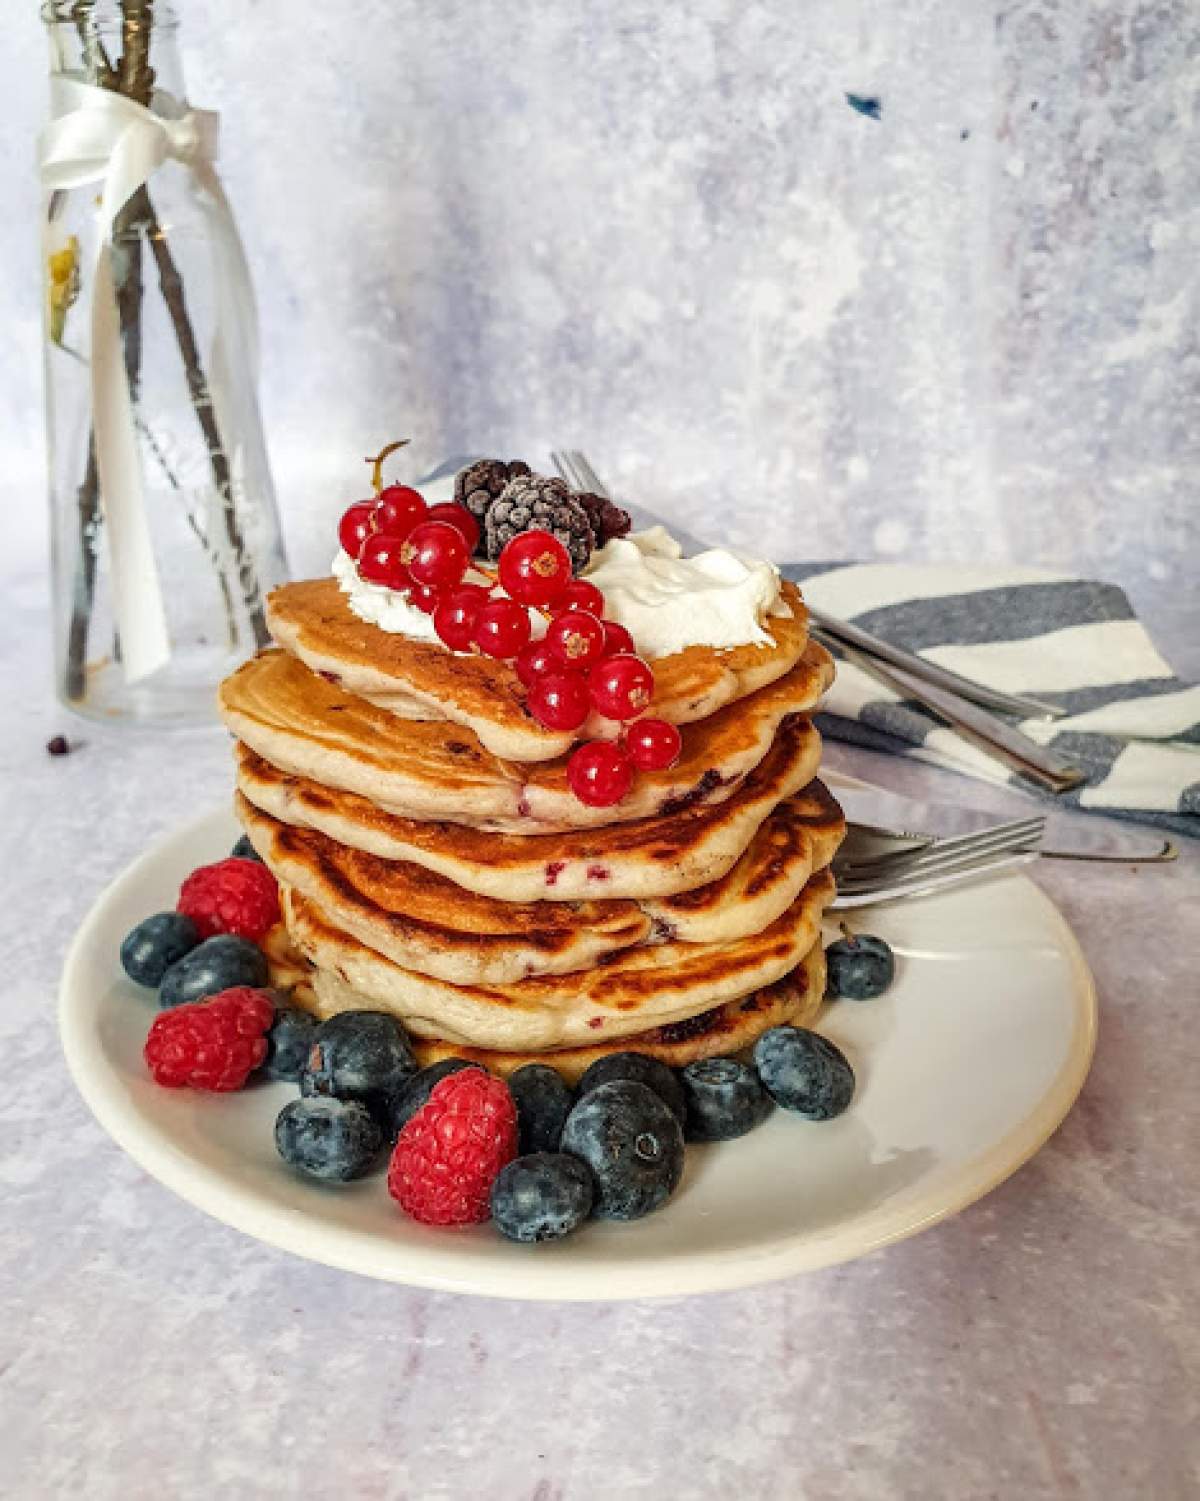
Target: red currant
<point>356,526</point>
<point>380,562</point>
<point>576,638</point>
<point>653,744</point>
<point>559,700</point>
<point>456,613</point>
<point>502,628</point>
<point>459,518</point>
<point>600,774</point>
<point>581,594</point>
<point>435,553</point>
<point>622,686</point>
<point>535,661</point>
<point>616,638</point>
<point>424,597</point>
<point>535,568</point>
<point>398,510</point>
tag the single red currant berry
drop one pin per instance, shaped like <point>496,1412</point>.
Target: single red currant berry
<point>622,686</point>
<point>435,553</point>
<point>455,616</point>
<point>599,774</point>
<point>581,594</point>
<point>576,638</point>
<point>535,568</point>
<point>502,628</point>
<point>616,638</point>
<point>653,744</point>
<point>380,562</point>
<point>425,597</point>
<point>356,526</point>
<point>535,661</point>
<point>398,510</point>
<point>559,700</point>
<point>459,518</point>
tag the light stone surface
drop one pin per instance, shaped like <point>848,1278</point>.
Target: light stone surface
<point>1043,1344</point>
<point>967,330</point>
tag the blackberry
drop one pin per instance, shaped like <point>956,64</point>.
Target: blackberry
<point>479,484</point>
<point>533,502</point>
<point>606,519</point>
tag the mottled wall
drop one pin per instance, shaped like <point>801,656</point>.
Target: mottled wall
<point>966,329</point>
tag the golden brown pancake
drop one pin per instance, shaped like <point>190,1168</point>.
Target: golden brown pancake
<point>313,621</point>
<point>730,1028</point>
<point>651,857</point>
<point>631,991</point>
<point>719,1033</point>
<point>427,923</point>
<point>311,728</point>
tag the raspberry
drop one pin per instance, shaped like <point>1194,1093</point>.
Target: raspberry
<point>214,1044</point>
<point>232,896</point>
<point>450,1151</point>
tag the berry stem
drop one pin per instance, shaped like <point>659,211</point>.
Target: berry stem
<point>844,929</point>
<point>377,462</point>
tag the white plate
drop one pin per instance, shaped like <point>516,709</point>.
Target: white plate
<point>964,1069</point>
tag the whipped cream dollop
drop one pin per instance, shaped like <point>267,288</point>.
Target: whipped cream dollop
<point>667,602</point>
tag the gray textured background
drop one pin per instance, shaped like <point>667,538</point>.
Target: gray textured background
<point>963,331</point>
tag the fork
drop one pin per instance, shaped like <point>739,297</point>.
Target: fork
<point>935,865</point>
<point>573,465</point>
<point>910,677</point>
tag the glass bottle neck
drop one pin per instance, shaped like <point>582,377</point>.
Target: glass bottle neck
<point>127,45</point>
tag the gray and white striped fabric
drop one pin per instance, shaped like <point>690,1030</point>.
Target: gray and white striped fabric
<point>1132,725</point>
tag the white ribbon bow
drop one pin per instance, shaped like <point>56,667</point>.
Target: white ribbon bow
<point>97,135</point>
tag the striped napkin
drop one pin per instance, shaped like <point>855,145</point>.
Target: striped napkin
<point>1131,724</point>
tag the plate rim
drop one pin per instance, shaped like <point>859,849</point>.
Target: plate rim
<point>543,1279</point>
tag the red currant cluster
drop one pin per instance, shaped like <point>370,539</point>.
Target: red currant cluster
<point>583,663</point>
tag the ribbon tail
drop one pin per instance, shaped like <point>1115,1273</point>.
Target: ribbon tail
<point>137,593</point>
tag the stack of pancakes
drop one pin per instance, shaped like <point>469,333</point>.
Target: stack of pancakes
<point>434,863</point>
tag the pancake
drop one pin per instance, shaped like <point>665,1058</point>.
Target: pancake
<point>427,923</point>
<point>651,857</point>
<point>799,837</point>
<point>629,992</point>
<point>312,620</point>
<point>315,729</point>
<point>727,1029</point>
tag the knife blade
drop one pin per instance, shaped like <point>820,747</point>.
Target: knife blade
<point>1066,837</point>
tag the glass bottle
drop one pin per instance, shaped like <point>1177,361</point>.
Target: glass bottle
<point>206,515</point>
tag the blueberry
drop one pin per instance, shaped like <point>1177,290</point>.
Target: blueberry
<point>724,1099</point>
<point>331,1139</point>
<point>543,1103</point>
<point>416,1089</point>
<point>804,1072</point>
<point>288,1043</point>
<point>359,1055</point>
<point>542,1196</point>
<point>216,964</point>
<point>150,949</point>
<point>860,967</point>
<point>633,1144</point>
<point>637,1068</point>
<point>244,850</point>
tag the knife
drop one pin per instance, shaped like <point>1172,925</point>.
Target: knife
<point>1066,837</point>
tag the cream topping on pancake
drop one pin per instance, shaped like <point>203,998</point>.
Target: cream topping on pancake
<point>667,602</point>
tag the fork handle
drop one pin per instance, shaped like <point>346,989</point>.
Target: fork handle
<point>991,735</point>
<point>930,672</point>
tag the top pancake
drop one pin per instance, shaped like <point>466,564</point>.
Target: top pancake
<point>313,621</point>
<point>303,724</point>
